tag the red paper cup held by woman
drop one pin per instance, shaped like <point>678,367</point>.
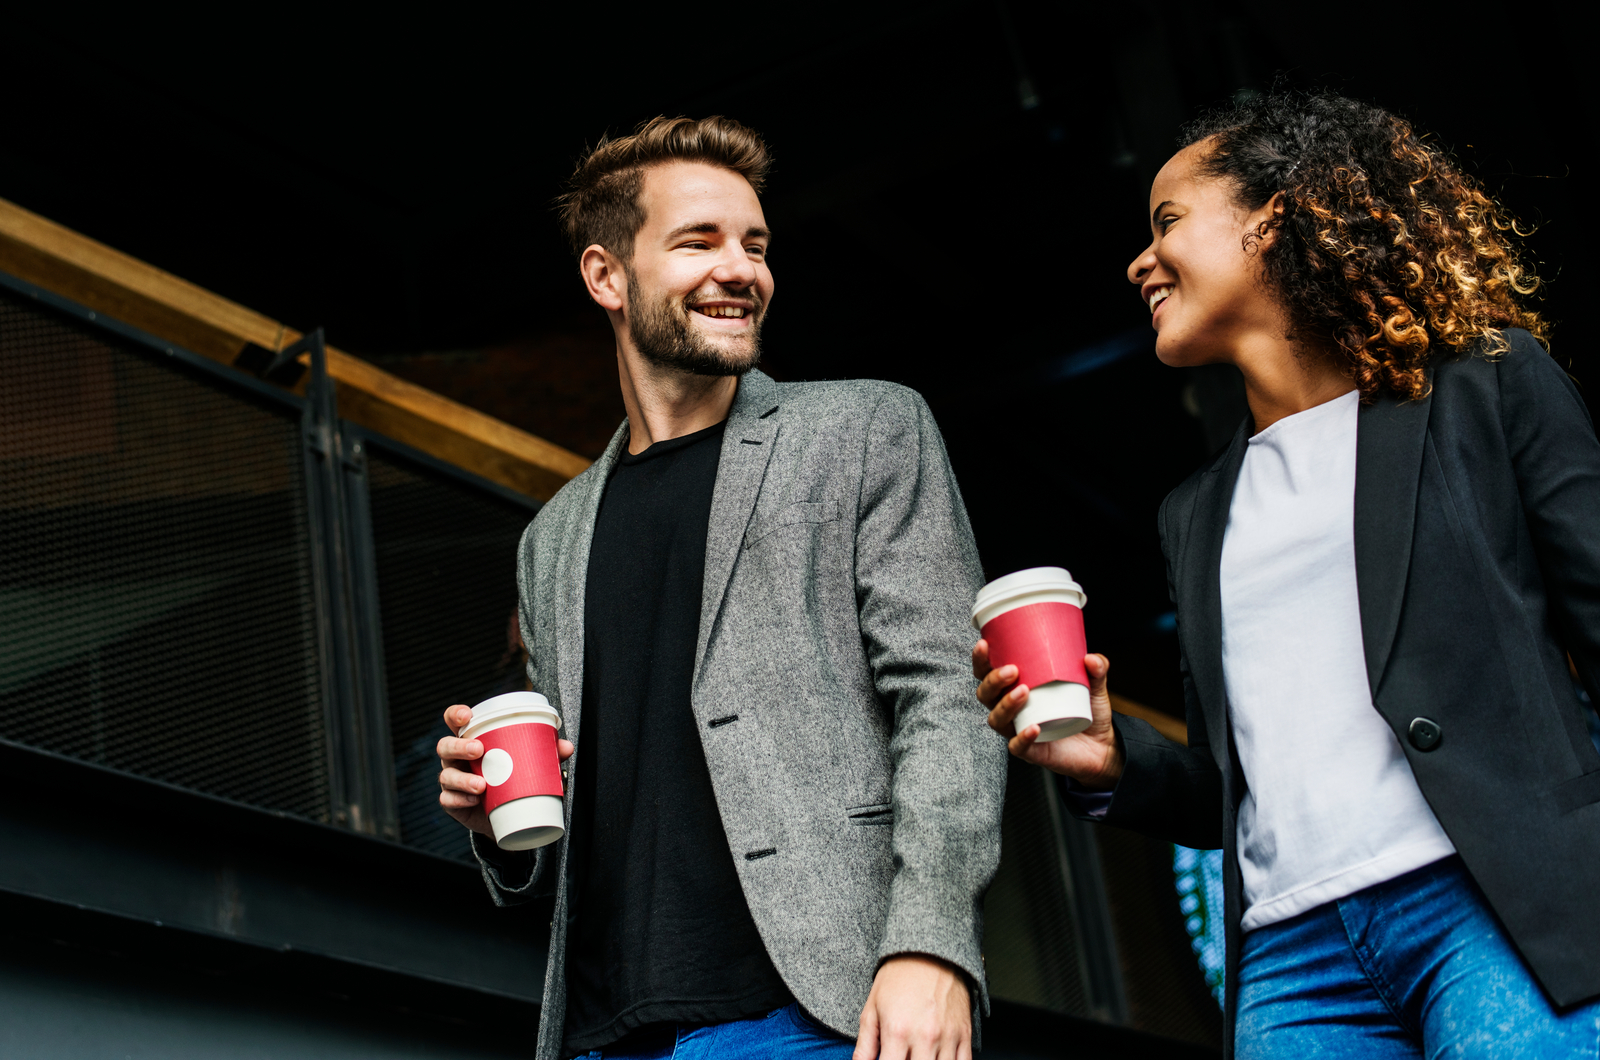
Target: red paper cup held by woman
<point>1033,620</point>
<point>523,799</point>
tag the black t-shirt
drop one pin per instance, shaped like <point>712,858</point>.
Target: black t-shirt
<point>661,931</point>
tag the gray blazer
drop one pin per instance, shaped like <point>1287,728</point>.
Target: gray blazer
<point>859,786</point>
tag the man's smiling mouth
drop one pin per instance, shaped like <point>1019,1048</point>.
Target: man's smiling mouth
<point>720,310</point>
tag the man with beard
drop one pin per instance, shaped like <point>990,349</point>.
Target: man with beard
<point>751,612</point>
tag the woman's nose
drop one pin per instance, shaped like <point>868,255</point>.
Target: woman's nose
<point>1142,265</point>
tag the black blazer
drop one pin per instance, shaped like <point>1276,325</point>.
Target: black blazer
<point>1477,541</point>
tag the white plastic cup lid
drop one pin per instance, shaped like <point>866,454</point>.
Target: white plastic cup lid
<point>496,707</point>
<point>1023,582</point>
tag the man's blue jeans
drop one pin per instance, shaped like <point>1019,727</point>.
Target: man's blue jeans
<point>782,1032</point>
<point>1415,967</point>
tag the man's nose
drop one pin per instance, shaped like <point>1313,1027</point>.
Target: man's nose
<point>734,268</point>
<point>1142,265</point>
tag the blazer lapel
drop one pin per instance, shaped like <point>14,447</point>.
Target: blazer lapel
<point>1389,440</point>
<point>1200,581</point>
<point>747,444</point>
<point>573,581</point>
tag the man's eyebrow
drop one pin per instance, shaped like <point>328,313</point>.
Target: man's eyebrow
<point>709,228</point>
<point>1154,213</point>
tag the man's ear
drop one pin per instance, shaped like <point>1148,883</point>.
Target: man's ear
<point>603,275</point>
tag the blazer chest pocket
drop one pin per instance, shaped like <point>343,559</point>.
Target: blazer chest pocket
<point>802,514</point>
<point>877,814</point>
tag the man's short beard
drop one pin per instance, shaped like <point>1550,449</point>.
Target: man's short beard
<point>663,335</point>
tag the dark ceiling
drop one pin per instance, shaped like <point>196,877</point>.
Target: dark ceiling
<point>958,189</point>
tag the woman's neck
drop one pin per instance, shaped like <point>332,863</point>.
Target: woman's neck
<point>1282,378</point>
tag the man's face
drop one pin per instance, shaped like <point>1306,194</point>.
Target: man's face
<point>698,285</point>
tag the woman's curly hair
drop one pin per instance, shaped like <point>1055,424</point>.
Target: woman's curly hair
<point>1385,246</point>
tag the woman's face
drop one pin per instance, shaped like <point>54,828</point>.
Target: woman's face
<point>1203,285</point>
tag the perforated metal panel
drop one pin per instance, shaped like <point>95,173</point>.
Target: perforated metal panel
<point>156,607</point>
<point>446,554</point>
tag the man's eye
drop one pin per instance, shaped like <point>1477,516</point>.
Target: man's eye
<point>757,251</point>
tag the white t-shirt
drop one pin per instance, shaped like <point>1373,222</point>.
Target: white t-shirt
<point>1332,806</point>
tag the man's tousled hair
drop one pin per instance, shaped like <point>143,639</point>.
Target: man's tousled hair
<point>601,204</point>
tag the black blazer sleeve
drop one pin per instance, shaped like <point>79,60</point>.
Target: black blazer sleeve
<point>1557,463</point>
<point>1169,791</point>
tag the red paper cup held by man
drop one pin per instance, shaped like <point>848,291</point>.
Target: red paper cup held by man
<point>523,799</point>
<point>1033,620</point>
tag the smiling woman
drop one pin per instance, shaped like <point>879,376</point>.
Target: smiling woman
<point>1383,244</point>
<point>1377,585</point>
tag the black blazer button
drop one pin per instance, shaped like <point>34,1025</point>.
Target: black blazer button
<point>1424,734</point>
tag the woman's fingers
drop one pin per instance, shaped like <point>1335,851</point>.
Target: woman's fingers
<point>980,659</point>
<point>564,748</point>
<point>1005,711</point>
<point>1098,667</point>
<point>994,685</point>
<point>1023,742</point>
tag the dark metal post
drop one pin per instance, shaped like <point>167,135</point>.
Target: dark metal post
<point>360,773</point>
<point>1091,911</point>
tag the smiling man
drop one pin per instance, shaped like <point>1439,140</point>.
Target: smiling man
<point>751,612</point>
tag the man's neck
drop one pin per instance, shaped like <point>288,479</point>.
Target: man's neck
<point>665,403</point>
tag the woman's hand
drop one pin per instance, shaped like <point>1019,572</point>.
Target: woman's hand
<point>1092,757</point>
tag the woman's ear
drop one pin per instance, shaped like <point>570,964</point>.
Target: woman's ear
<point>604,277</point>
<point>1261,227</point>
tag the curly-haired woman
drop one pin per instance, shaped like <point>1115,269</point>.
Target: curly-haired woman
<point>1378,586</point>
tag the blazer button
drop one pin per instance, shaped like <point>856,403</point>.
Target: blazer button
<point>1424,734</point>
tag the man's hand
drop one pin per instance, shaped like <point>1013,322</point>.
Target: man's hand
<point>1091,757</point>
<point>918,1010</point>
<point>460,789</point>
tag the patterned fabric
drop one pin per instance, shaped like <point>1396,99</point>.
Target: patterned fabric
<point>859,785</point>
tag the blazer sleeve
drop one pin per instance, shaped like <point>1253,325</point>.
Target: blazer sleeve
<point>1169,791</point>
<point>514,876</point>
<point>917,574</point>
<point>1556,459</point>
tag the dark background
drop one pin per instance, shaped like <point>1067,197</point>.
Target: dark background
<point>959,187</point>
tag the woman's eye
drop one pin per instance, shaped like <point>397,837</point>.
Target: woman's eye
<point>1165,222</point>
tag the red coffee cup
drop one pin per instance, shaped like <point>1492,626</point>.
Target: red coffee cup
<point>522,766</point>
<point>1033,620</point>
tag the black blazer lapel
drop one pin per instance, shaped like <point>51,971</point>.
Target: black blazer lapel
<point>1389,440</point>
<point>1200,582</point>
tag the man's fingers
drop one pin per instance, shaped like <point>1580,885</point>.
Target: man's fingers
<point>867,1038</point>
<point>564,748</point>
<point>451,748</point>
<point>457,716</point>
<point>453,779</point>
<point>455,800</point>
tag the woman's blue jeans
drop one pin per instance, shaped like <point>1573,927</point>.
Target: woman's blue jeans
<point>1415,967</point>
<point>783,1032</point>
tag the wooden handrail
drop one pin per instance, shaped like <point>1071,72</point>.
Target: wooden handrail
<point>108,281</point>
